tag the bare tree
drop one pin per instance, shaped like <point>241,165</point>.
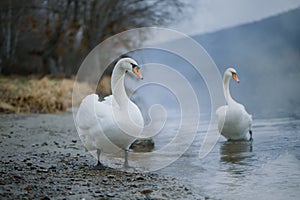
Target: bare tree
<point>10,27</point>
<point>57,34</point>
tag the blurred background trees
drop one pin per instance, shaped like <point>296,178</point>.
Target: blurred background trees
<point>54,36</point>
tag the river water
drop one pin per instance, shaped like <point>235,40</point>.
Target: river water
<point>268,168</point>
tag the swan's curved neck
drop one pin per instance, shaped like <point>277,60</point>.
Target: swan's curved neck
<point>117,85</point>
<point>228,97</point>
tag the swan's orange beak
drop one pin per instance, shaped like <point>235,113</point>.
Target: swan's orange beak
<point>137,72</point>
<point>234,76</point>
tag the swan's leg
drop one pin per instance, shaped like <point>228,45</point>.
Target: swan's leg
<point>250,132</point>
<point>99,165</point>
<point>126,158</point>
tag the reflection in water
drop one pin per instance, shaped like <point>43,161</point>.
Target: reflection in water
<point>236,170</point>
<point>235,158</point>
<point>235,151</point>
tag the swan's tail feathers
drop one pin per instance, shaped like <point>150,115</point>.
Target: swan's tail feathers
<point>85,117</point>
<point>251,120</point>
<point>251,138</point>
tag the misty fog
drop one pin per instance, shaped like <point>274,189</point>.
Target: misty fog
<point>266,55</point>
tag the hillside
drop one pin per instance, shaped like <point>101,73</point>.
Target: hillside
<point>267,56</point>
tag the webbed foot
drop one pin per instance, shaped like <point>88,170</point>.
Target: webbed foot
<point>100,166</point>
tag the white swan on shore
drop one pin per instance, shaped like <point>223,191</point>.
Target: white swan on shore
<point>116,119</point>
<point>234,122</point>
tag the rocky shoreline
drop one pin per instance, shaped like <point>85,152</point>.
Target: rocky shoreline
<point>43,158</point>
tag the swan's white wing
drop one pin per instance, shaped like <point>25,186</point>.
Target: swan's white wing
<point>233,121</point>
<point>245,117</point>
<point>90,128</point>
<point>98,126</point>
<point>221,114</point>
<point>221,111</point>
<point>85,117</point>
<point>86,121</point>
<point>118,125</point>
<point>247,120</point>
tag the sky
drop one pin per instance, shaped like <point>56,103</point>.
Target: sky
<point>213,15</point>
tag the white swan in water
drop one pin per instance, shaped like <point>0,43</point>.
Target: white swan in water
<point>116,119</point>
<point>233,120</point>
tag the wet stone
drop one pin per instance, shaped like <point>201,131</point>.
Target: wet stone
<point>110,194</point>
<point>105,181</point>
<point>68,188</point>
<point>45,198</point>
<point>44,144</point>
<point>42,170</point>
<point>28,187</point>
<point>111,176</point>
<point>140,178</point>
<point>32,167</point>
<point>146,191</point>
<point>66,173</point>
<point>143,145</point>
<point>56,143</point>
<point>52,167</point>
<point>134,185</point>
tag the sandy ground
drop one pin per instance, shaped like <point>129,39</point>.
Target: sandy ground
<point>42,157</point>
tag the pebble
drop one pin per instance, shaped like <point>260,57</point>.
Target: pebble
<point>45,198</point>
<point>146,191</point>
<point>53,172</point>
<point>105,180</point>
<point>110,176</point>
<point>28,187</point>
<point>140,178</point>
<point>110,194</point>
<point>44,144</point>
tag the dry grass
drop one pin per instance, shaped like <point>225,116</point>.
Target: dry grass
<point>33,95</point>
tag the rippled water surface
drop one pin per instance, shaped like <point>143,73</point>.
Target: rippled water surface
<point>269,168</point>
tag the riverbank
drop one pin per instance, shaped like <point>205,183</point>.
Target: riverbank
<point>32,94</point>
<point>43,158</point>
